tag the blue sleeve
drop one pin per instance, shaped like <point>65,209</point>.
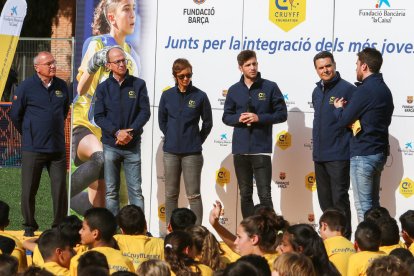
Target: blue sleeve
<point>278,112</point>
<point>353,110</point>
<point>207,117</point>
<point>100,112</point>
<point>162,115</point>
<point>18,108</point>
<point>230,115</point>
<point>144,109</point>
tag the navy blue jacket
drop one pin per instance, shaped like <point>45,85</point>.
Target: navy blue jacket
<point>263,98</point>
<point>330,141</point>
<point>39,114</point>
<point>372,104</point>
<point>178,118</point>
<point>121,107</point>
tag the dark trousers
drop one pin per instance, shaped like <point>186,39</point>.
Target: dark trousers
<point>332,180</point>
<point>259,166</point>
<point>32,166</point>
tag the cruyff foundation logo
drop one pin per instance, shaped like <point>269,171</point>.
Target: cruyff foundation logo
<point>406,187</point>
<point>287,14</point>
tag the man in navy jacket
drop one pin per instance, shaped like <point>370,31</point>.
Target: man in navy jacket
<point>252,106</point>
<point>331,141</point>
<point>121,111</point>
<point>372,105</point>
<point>39,110</point>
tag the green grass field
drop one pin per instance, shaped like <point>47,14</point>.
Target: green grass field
<point>10,189</point>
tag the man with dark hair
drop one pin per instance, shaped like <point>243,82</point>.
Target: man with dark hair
<point>253,105</point>
<point>407,229</point>
<point>367,243</point>
<point>56,251</point>
<point>121,111</point>
<point>98,228</point>
<point>39,110</point>
<point>371,106</point>
<point>134,242</point>
<point>330,141</point>
<point>181,218</point>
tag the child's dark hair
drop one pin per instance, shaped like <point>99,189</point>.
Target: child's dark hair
<point>94,259</point>
<point>407,222</point>
<point>8,265</point>
<point>51,239</point>
<point>174,246</point>
<point>207,246</point>
<point>305,240</point>
<point>4,214</point>
<point>7,245</point>
<point>368,236</point>
<point>36,271</point>
<point>335,219</point>
<point>375,213</point>
<point>103,220</point>
<point>131,219</point>
<point>390,233</point>
<point>265,229</point>
<point>181,218</point>
<point>69,228</point>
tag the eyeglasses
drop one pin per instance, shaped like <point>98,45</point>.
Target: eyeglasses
<point>49,63</point>
<point>188,76</point>
<point>118,62</point>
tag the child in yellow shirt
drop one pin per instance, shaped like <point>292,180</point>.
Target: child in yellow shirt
<point>98,229</point>
<point>56,251</point>
<point>133,242</point>
<point>390,234</point>
<point>407,226</point>
<point>367,243</point>
<point>331,228</point>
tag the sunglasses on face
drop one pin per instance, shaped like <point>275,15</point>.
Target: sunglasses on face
<point>188,76</point>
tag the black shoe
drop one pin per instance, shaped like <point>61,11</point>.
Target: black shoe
<point>28,232</point>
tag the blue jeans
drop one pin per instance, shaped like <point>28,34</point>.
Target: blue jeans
<point>131,158</point>
<point>259,166</point>
<point>190,165</point>
<point>365,178</point>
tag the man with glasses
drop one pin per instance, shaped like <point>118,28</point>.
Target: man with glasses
<point>121,111</point>
<point>252,106</point>
<point>39,110</point>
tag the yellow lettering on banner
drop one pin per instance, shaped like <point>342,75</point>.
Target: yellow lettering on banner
<point>287,14</point>
<point>7,49</point>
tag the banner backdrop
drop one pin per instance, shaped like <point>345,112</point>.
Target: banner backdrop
<point>286,35</point>
<point>11,22</point>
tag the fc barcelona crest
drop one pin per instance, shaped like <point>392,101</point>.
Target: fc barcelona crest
<point>199,2</point>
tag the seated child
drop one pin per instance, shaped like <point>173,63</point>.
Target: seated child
<point>133,242</point>
<point>181,218</point>
<point>367,243</point>
<point>98,229</point>
<point>56,251</point>
<point>390,234</point>
<point>331,228</point>
<point>19,252</point>
<point>407,227</point>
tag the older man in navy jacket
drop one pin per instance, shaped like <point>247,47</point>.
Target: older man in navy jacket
<point>121,111</point>
<point>39,109</point>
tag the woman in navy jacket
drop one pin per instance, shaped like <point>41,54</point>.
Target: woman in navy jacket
<point>180,110</point>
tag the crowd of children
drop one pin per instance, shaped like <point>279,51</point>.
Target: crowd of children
<point>265,244</point>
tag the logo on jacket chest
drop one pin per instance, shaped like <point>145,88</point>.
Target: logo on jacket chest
<point>132,94</point>
<point>192,104</point>
<point>58,93</point>
<point>261,96</point>
<point>332,99</point>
